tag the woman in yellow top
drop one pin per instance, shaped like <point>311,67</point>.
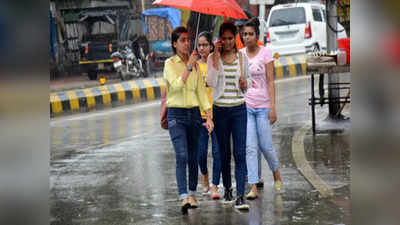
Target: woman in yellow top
<point>185,93</point>
<point>204,47</point>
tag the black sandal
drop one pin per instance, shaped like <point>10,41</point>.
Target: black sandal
<point>185,208</point>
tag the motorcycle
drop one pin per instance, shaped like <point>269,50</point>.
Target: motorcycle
<point>127,64</point>
<point>140,47</point>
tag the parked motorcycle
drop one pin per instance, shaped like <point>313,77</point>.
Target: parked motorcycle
<point>127,64</point>
<point>140,47</point>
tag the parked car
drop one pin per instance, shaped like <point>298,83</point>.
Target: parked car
<point>298,28</point>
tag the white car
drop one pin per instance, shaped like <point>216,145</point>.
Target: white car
<point>298,28</point>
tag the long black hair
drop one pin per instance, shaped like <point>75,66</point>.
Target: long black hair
<point>176,33</point>
<point>228,26</point>
<point>208,36</point>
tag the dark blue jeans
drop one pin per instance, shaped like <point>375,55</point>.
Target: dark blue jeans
<point>232,121</point>
<point>184,126</point>
<point>203,153</point>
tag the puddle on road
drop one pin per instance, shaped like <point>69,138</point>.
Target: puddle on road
<point>328,211</point>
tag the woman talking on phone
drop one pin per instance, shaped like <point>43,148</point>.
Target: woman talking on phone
<point>227,74</point>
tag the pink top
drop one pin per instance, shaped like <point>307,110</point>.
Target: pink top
<point>257,94</point>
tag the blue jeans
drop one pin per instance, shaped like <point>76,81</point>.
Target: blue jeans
<point>184,126</point>
<point>259,137</point>
<point>232,121</point>
<point>203,153</point>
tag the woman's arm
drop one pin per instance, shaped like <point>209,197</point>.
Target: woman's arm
<point>245,79</point>
<point>212,71</point>
<point>204,102</point>
<point>202,93</point>
<point>271,91</point>
<point>175,82</point>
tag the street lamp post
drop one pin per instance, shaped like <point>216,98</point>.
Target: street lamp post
<point>333,78</point>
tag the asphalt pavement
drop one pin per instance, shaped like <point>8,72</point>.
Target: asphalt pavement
<point>117,166</point>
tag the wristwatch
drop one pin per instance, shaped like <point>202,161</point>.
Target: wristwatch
<point>189,68</point>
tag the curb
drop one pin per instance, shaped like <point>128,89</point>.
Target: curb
<point>107,96</point>
<point>135,91</point>
<point>290,66</point>
<point>304,166</point>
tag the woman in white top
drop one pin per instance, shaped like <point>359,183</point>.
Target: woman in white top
<point>227,74</point>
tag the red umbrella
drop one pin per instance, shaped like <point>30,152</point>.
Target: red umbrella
<point>227,8</point>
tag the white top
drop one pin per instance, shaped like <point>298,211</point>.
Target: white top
<point>225,81</point>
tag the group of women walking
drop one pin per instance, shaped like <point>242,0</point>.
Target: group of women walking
<point>227,95</point>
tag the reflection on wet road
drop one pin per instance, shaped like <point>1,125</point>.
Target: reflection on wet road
<point>118,167</point>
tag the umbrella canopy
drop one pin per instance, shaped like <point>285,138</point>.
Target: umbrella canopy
<point>227,8</point>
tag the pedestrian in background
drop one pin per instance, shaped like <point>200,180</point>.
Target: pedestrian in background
<point>204,47</point>
<point>239,36</point>
<point>261,112</point>
<point>227,74</point>
<point>185,93</point>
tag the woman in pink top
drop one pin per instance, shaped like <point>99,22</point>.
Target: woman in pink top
<point>261,113</point>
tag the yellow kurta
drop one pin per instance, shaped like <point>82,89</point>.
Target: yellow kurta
<point>203,69</point>
<point>184,95</point>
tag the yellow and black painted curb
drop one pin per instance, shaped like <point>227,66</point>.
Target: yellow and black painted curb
<point>107,96</point>
<point>130,92</point>
<point>290,66</point>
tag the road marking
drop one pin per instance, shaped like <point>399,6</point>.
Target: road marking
<point>303,165</point>
<point>149,90</point>
<point>278,68</point>
<point>135,90</point>
<point>90,99</point>
<point>292,66</point>
<point>120,92</point>
<point>73,100</point>
<point>106,95</point>
<point>56,105</point>
<point>303,63</point>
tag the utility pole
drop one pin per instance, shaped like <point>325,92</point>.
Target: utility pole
<point>262,19</point>
<point>143,7</point>
<point>261,15</point>
<point>333,78</point>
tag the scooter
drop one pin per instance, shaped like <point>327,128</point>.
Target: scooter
<point>126,64</point>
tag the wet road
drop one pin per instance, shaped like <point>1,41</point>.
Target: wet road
<point>118,167</point>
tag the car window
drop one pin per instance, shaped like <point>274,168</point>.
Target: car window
<point>317,15</point>
<point>287,16</point>
<point>324,13</point>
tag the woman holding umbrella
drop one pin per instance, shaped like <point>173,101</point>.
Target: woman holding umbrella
<point>227,74</point>
<point>186,92</point>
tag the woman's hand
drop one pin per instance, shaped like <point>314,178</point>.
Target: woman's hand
<point>217,53</point>
<point>209,124</point>
<point>272,116</point>
<point>193,59</point>
<point>243,83</point>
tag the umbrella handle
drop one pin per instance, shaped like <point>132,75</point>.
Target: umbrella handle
<point>197,31</point>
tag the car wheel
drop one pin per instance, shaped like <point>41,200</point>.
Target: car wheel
<point>92,75</point>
